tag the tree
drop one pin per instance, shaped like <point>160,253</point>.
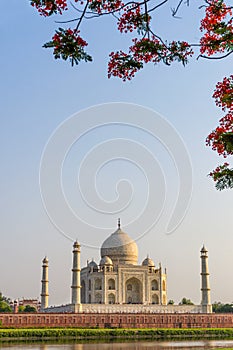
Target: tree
<point>186,301</point>
<point>136,17</point>
<point>21,308</point>
<point>130,17</point>
<point>3,298</point>
<point>4,307</point>
<point>171,302</point>
<point>27,308</point>
<point>218,307</point>
<point>4,304</point>
<point>221,139</point>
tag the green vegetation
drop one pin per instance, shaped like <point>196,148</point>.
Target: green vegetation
<point>186,301</point>
<point>3,298</point>
<point>4,307</point>
<point>113,333</point>
<point>4,304</point>
<point>218,307</point>
<point>27,308</point>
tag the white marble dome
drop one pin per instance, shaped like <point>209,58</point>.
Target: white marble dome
<point>120,248</point>
<point>93,264</point>
<point>148,262</point>
<point>105,261</point>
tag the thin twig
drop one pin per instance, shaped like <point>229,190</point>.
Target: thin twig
<point>215,58</point>
<point>175,10</point>
<point>82,16</point>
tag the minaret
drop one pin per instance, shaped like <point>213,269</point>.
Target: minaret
<point>76,285</point>
<point>205,284</point>
<point>45,284</point>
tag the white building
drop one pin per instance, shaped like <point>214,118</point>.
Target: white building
<point>119,284</point>
<point>119,279</point>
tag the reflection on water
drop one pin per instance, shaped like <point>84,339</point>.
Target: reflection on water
<point>140,345</point>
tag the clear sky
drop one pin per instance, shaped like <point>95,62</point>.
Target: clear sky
<point>38,94</point>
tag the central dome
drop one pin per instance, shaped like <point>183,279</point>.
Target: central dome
<point>120,248</point>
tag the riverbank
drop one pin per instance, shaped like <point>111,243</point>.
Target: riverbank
<point>105,334</point>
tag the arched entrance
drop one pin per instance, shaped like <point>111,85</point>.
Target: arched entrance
<point>98,284</point>
<point>133,291</point>
<point>155,299</point>
<point>111,299</point>
<point>154,285</point>
<point>98,298</point>
<point>111,284</point>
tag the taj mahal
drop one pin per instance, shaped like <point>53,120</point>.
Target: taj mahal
<point>119,284</point>
<point>119,279</point>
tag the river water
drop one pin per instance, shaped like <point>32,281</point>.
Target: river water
<point>139,345</point>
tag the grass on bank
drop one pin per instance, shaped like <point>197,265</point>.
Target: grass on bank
<point>106,333</point>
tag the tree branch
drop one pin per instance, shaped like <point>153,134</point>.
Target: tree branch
<point>215,58</point>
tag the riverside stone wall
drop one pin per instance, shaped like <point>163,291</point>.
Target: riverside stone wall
<point>129,320</point>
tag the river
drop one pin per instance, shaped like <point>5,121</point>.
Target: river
<point>139,345</point>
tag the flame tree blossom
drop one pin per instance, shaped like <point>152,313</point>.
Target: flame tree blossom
<point>221,139</point>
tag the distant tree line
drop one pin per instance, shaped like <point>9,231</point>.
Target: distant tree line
<point>184,301</point>
<point>27,308</point>
<point>218,307</point>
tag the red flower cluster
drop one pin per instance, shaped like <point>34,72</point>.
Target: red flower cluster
<point>49,7</point>
<point>146,50</point>
<point>101,6</point>
<point>224,94</point>
<point>153,50</point>
<point>62,36</point>
<point>218,27</point>
<point>123,65</point>
<point>132,19</point>
<point>219,138</point>
<point>223,177</point>
<point>67,43</point>
<point>219,171</point>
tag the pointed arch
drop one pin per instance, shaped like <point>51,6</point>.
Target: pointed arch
<point>111,299</point>
<point>154,285</point>
<point>111,284</point>
<point>98,298</point>
<point>133,291</point>
<point>98,284</point>
<point>155,299</point>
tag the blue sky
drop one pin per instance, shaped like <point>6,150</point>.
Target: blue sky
<point>38,93</point>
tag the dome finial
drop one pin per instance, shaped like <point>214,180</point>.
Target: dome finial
<point>119,223</point>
